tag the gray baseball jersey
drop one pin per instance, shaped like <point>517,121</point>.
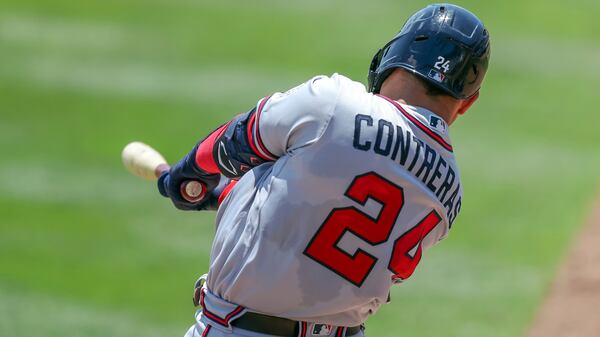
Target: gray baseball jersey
<point>361,185</point>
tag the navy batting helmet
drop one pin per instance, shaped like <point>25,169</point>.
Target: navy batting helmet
<point>444,44</point>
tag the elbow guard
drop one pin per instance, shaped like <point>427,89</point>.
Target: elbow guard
<point>234,152</point>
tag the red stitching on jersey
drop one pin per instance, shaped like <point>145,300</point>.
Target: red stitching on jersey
<point>206,330</point>
<point>420,125</point>
<point>259,141</point>
<point>222,321</point>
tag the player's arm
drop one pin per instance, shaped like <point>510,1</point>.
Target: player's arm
<point>276,126</point>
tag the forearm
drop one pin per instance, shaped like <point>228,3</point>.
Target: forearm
<point>233,149</point>
<point>229,151</point>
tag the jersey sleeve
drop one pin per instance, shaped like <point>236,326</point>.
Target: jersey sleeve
<point>277,125</point>
<point>285,122</point>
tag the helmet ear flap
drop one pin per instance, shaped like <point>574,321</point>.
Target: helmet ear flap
<point>372,86</point>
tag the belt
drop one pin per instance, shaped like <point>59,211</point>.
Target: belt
<point>276,326</point>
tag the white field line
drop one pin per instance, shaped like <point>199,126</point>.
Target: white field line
<point>49,65</point>
<point>80,186</point>
<point>153,80</point>
<point>21,314</point>
<point>55,62</point>
<point>56,184</point>
<point>539,54</point>
<point>263,6</point>
<point>38,30</point>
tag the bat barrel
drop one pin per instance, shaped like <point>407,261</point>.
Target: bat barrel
<point>143,161</point>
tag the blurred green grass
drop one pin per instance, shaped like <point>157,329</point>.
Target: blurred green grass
<point>87,250</point>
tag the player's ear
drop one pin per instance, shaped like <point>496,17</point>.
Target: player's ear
<point>467,103</point>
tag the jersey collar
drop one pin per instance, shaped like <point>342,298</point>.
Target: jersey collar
<point>431,124</point>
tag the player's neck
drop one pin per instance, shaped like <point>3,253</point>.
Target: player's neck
<point>403,87</point>
<point>445,111</point>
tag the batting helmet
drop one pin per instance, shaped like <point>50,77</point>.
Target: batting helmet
<point>444,44</point>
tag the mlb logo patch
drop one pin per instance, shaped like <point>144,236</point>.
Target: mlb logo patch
<point>436,76</point>
<point>321,330</point>
<point>437,124</point>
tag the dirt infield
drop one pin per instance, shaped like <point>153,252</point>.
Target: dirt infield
<point>572,308</point>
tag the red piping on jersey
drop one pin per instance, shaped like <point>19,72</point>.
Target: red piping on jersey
<point>303,329</point>
<point>226,191</point>
<point>206,330</point>
<point>339,332</point>
<point>204,154</point>
<point>251,136</point>
<point>259,142</point>
<point>420,125</point>
<point>222,321</point>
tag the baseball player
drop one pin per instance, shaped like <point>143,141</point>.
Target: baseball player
<point>328,194</point>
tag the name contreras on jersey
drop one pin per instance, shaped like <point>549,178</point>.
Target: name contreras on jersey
<point>401,146</point>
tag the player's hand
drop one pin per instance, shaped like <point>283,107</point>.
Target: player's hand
<point>209,203</point>
<point>170,186</point>
<point>170,182</point>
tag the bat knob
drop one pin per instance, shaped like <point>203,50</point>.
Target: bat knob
<point>193,191</point>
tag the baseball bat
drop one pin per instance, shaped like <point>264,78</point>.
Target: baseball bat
<point>143,161</point>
